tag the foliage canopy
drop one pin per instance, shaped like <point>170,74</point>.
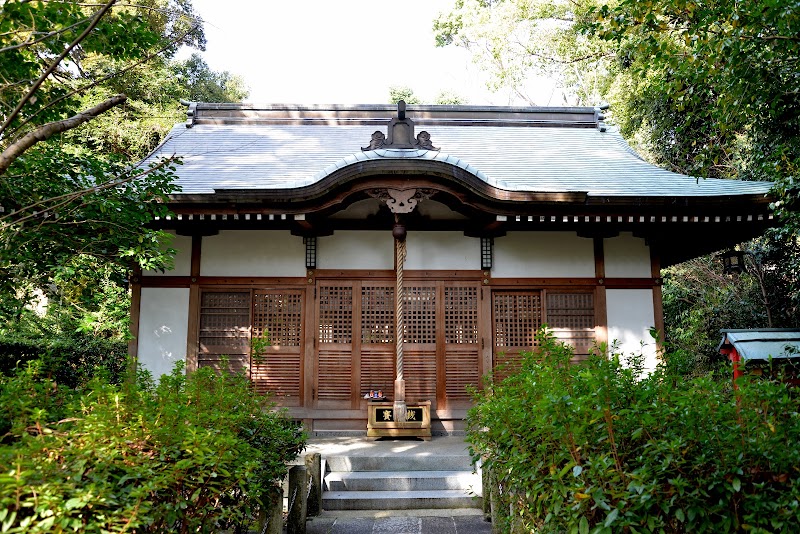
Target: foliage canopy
<point>86,91</point>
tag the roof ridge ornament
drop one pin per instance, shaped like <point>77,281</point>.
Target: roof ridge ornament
<point>400,134</point>
<point>191,111</point>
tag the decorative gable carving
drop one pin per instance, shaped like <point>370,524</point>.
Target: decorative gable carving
<point>401,200</point>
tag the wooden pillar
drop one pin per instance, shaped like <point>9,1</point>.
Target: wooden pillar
<point>658,303</point>
<point>600,305</point>
<point>136,305</point>
<point>485,327</point>
<point>193,329</point>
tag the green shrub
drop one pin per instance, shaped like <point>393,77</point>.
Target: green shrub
<point>594,447</point>
<point>196,453</point>
<point>70,361</point>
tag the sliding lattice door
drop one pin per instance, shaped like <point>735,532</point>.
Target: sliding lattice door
<point>516,316</point>
<point>377,351</point>
<point>275,363</point>
<point>271,320</point>
<point>461,342</point>
<point>335,345</point>
<point>224,342</point>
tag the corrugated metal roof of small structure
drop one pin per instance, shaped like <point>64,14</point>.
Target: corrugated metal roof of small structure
<point>763,344</point>
<point>525,158</point>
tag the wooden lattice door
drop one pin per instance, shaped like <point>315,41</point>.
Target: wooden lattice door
<point>516,316</point>
<point>461,342</point>
<point>224,342</point>
<point>356,342</point>
<point>419,342</point>
<point>377,351</point>
<point>275,366</point>
<point>335,345</point>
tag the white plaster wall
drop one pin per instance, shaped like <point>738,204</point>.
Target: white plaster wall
<point>626,257</point>
<point>356,250</point>
<point>253,253</point>
<point>630,318</point>
<point>543,254</point>
<point>183,257</point>
<point>442,251</point>
<point>163,328</point>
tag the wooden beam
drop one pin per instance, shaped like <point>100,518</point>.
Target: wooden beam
<point>600,300</point>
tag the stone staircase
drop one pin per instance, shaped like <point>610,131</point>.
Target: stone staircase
<point>400,481</point>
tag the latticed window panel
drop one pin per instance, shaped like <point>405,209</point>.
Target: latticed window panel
<point>420,315</point>
<point>336,314</point>
<point>461,372</point>
<point>278,374</point>
<point>420,375</point>
<point>278,317</point>
<point>461,315</point>
<point>517,317</point>
<point>571,318</point>
<point>377,370</point>
<point>224,340</point>
<point>505,364</point>
<point>335,373</point>
<point>377,315</point>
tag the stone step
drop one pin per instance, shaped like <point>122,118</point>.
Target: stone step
<point>399,462</point>
<point>403,481</point>
<point>398,500</point>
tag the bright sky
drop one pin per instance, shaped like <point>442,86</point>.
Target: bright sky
<point>337,51</point>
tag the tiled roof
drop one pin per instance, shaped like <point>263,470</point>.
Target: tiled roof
<point>247,153</point>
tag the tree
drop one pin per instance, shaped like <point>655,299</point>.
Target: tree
<point>711,87</point>
<point>59,198</point>
<point>519,42</point>
<point>450,98</point>
<point>406,94</point>
<point>153,107</point>
<point>205,85</point>
<point>402,92</point>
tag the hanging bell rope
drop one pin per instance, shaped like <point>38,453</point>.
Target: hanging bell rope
<point>400,409</point>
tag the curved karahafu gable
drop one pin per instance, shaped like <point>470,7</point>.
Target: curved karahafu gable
<point>500,168</point>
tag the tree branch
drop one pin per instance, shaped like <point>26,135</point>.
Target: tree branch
<point>46,131</point>
<point>64,200</point>
<point>43,38</point>
<point>100,80</point>
<point>24,100</point>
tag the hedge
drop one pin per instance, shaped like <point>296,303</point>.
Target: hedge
<point>68,361</point>
<point>191,454</point>
<point>595,447</point>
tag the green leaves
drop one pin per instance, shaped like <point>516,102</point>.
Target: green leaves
<point>193,454</point>
<point>677,454</point>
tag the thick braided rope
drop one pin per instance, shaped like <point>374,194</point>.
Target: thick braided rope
<point>400,252</point>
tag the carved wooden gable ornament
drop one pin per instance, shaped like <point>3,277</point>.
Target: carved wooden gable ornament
<point>400,134</point>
